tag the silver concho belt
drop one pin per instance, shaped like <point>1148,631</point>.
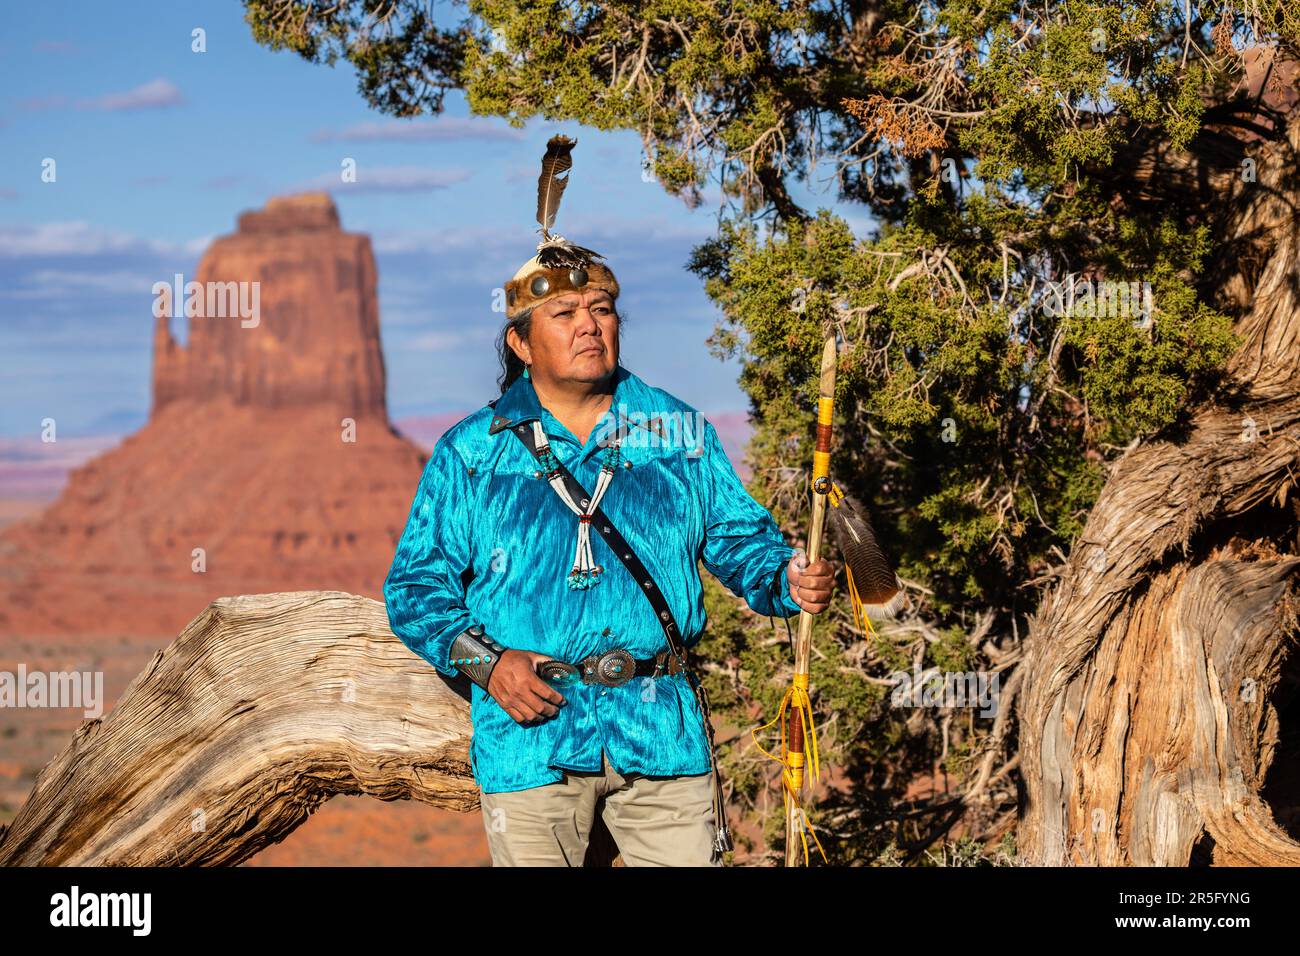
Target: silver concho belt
<point>612,668</point>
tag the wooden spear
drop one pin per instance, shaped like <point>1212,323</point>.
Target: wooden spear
<point>795,822</point>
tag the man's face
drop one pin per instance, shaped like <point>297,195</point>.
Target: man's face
<point>574,337</point>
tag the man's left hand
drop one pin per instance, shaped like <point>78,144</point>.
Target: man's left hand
<point>810,584</point>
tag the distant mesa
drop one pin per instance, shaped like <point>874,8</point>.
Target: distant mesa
<point>319,341</point>
<point>243,455</point>
<point>303,212</point>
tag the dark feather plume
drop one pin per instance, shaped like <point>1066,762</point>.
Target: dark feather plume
<point>556,252</point>
<point>551,183</point>
<point>873,575</point>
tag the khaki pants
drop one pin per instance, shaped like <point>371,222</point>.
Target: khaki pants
<point>656,821</point>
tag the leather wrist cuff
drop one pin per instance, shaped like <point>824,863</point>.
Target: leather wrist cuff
<point>475,654</point>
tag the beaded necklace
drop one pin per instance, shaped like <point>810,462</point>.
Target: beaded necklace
<point>586,572</point>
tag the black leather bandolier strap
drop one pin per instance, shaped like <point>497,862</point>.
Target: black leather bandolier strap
<point>616,542</point>
<point>524,432</point>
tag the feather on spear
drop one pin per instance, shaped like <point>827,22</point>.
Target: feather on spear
<point>873,583</point>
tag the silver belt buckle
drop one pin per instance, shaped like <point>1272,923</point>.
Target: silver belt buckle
<point>557,672</point>
<point>613,668</point>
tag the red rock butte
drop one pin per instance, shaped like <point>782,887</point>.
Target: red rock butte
<point>268,454</point>
<point>320,345</point>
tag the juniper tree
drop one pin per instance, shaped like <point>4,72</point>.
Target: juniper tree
<point>1067,379</point>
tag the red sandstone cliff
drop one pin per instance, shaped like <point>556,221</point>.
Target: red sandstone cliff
<point>246,455</point>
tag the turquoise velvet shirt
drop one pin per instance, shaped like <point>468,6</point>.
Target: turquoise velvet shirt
<point>487,542</point>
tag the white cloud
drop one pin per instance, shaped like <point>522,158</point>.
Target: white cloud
<point>65,283</point>
<point>479,239</point>
<point>450,340</point>
<point>601,233</point>
<point>388,179</point>
<point>79,238</point>
<point>440,129</point>
<point>156,94</point>
<point>434,342</point>
<point>62,238</point>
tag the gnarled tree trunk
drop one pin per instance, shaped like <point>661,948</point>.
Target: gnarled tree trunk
<point>1154,716</point>
<point>262,709</point>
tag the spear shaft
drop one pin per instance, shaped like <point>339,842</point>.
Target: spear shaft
<point>818,489</point>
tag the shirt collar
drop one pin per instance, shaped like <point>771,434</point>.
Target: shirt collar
<point>519,403</point>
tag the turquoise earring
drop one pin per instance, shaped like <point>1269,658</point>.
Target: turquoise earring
<point>525,371</point>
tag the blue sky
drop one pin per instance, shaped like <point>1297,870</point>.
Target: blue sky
<point>158,149</point>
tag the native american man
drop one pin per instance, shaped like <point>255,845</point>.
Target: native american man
<point>575,642</point>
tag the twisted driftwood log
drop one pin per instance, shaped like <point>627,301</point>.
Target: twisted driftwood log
<point>262,709</point>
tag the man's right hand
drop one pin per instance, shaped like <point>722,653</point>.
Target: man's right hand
<point>523,695</point>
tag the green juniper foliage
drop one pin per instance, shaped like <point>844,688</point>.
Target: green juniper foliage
<point>1020,310</point>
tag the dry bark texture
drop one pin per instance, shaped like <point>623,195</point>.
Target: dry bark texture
<point>262,709</point>
<point>1153,716</point>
